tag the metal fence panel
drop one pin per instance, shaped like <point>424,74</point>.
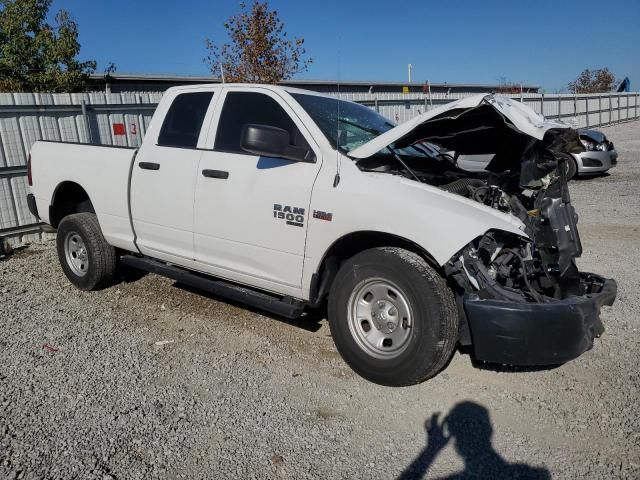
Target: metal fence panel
<point>582,110</point>
<point>89,118</point>
<point>7,204</point>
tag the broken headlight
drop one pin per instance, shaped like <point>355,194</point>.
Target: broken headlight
<point>591,146</point>
<point>500,265</point>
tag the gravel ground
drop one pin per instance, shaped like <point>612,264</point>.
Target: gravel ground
<point>149,380</point>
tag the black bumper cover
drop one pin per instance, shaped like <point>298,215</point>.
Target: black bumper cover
<point>537,333</point>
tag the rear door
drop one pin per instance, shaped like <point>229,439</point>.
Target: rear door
<point>164,176</point>
<point>251,212</point>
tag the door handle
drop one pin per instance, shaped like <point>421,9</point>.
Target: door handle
<point>215,174</point>
<point>149,166</point>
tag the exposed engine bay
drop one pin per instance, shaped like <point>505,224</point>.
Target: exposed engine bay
<point>526,178</point>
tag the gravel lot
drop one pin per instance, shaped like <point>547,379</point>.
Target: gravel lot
<point>149,380</point>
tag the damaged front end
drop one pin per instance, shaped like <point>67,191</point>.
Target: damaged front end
<point>515,311</point>
<point>522,299</point>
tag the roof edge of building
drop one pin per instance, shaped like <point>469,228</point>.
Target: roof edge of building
<point>115,77</point>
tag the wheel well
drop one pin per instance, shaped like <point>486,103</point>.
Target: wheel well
<point>348,246</point>
<point>68,198</point>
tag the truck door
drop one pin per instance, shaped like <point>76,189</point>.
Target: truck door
<point>164,176</point>
<point>251,212</point>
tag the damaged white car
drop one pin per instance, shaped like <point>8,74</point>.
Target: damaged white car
<point>289,200</point>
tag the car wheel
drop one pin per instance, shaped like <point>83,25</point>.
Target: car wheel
<point>392,317</point>
<point>572,167</point>
<point>87,260</point>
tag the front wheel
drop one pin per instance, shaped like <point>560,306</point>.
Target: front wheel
<point>572,167</point>
<point>392,317</point>
<point>87,260</point>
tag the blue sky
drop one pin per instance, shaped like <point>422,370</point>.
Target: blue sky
<point>543,42</point>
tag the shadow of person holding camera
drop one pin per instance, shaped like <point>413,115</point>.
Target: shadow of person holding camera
<point>469,426</point>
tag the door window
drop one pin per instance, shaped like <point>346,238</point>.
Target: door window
<point>183,122</point>
<point>241,108</point>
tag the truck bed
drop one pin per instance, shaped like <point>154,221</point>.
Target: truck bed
<point>103,172</point>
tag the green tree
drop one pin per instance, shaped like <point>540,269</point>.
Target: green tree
<point>36,56</point>
<point>593,81</point>
<point>259,50</point>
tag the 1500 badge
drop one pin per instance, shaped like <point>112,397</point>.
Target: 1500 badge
<point>293,215</point>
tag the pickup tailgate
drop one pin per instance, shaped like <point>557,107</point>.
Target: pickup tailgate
<point>102,171</point>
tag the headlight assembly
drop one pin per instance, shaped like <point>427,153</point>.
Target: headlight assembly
<point>591,146</point>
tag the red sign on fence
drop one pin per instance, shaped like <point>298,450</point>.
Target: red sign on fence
<point>118,129</point>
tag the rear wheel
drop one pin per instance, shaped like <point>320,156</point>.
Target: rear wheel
<point>392,316</point>
<point>87,260</point>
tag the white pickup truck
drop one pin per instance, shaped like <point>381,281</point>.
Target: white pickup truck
<point>288,200</point>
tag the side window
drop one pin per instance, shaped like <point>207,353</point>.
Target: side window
<point>182,124</point>
<point>241,108</point>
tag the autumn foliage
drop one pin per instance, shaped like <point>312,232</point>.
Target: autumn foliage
<point>593,81</point>
<point>259,50</point>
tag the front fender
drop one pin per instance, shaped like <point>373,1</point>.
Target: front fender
<point>441,223</point>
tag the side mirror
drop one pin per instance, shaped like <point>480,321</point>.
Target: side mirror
<point>275,142</point>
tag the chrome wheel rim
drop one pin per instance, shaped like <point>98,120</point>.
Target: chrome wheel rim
<point>380,318</point>
<point>76,254</point>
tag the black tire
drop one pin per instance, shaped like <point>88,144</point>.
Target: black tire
<point>99,271</point>
<point>434,329</point>
<point>572,167</point>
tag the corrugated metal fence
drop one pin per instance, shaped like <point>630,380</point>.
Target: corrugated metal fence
<point>582,110</point>
<point>90,118</point>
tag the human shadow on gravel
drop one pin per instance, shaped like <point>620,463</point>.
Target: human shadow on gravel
<point>468,424</point>
<point>309,321</point>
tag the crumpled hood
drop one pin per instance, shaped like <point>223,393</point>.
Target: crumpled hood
<point>593,135</point>
<point>516,115</point>
<point>521,139</point>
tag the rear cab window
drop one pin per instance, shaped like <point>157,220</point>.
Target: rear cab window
<point>183,121</point>
<point>241,108</point>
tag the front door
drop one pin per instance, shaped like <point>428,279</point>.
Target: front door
<point>163,180</point>
<point>251,212</point>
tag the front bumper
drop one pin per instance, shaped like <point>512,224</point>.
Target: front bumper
<point>593,162</point>
<point>538,333</point>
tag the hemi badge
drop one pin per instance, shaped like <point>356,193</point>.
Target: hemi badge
<point>320,215</point>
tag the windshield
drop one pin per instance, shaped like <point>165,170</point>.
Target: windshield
<point>355,125</point>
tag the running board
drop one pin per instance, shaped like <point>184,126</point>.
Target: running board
<point>286,306</point>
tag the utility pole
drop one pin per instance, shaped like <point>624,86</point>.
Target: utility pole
<point>409,68</point>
